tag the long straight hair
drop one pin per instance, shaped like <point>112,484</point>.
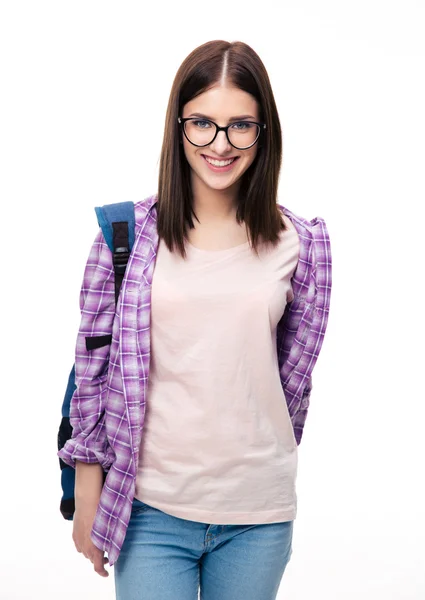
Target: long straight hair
<point>257,198</point>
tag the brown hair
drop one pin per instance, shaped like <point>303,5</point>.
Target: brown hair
<point>257,199</point>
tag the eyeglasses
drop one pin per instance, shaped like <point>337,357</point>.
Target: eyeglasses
<point>202,132</point>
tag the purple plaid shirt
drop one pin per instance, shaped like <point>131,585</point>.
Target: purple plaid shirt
<point>108,407</point>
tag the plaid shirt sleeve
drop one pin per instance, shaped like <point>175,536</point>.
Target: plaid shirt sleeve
<point>87,409</point>
<point>303,325</point>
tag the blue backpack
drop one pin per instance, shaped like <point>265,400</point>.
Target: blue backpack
<point>118,226</point>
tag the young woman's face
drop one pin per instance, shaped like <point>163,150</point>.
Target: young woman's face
<point>220,104</point>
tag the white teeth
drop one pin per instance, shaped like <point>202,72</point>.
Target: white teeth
<point>219,163</point>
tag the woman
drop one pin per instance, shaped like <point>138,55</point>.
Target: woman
<point>196,409</point>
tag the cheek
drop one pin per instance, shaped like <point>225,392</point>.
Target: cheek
<point>185,148</point>
<point>250,157</point>
<point>188,151</point>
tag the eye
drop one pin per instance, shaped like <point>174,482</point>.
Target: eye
<point>201,123</point>
<point>242,125</point>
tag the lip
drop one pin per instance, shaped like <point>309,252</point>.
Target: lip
<point>220,169</point>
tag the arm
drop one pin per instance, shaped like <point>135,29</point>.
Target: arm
<point>87,409</point>
<point>303,328</point>
<point>88,482</point>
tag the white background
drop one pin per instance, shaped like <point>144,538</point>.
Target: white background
<point>84,91</point>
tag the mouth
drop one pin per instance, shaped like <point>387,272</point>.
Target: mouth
<point>222,165</point>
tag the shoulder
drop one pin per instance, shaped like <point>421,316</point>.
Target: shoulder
<point>310,231</point>
<point>143,209</point>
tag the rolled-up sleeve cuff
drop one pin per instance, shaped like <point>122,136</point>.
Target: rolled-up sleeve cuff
<point>96,453</point>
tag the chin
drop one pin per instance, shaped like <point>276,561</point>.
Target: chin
<point>220,187</point>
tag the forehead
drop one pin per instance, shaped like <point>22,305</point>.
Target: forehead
<point>221,103</point>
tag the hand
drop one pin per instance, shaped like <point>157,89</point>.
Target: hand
<point>85,512</point>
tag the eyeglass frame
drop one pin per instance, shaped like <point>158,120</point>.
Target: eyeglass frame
<point>182,121</point>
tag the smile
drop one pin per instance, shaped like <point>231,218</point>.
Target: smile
<point>220,165</point>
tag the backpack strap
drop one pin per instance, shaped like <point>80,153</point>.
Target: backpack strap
<point>118,225</point>
<point>115,213</point>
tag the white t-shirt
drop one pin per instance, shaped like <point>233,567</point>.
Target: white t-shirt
<point>217,443</point>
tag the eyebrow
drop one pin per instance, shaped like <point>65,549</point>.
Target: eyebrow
<point>238,118</point>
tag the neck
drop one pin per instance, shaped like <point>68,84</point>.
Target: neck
<point>212,206</point>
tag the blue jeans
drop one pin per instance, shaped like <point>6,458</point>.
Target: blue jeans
<point>168,558</point>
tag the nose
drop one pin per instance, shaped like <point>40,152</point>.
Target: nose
<point>221,144</point>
